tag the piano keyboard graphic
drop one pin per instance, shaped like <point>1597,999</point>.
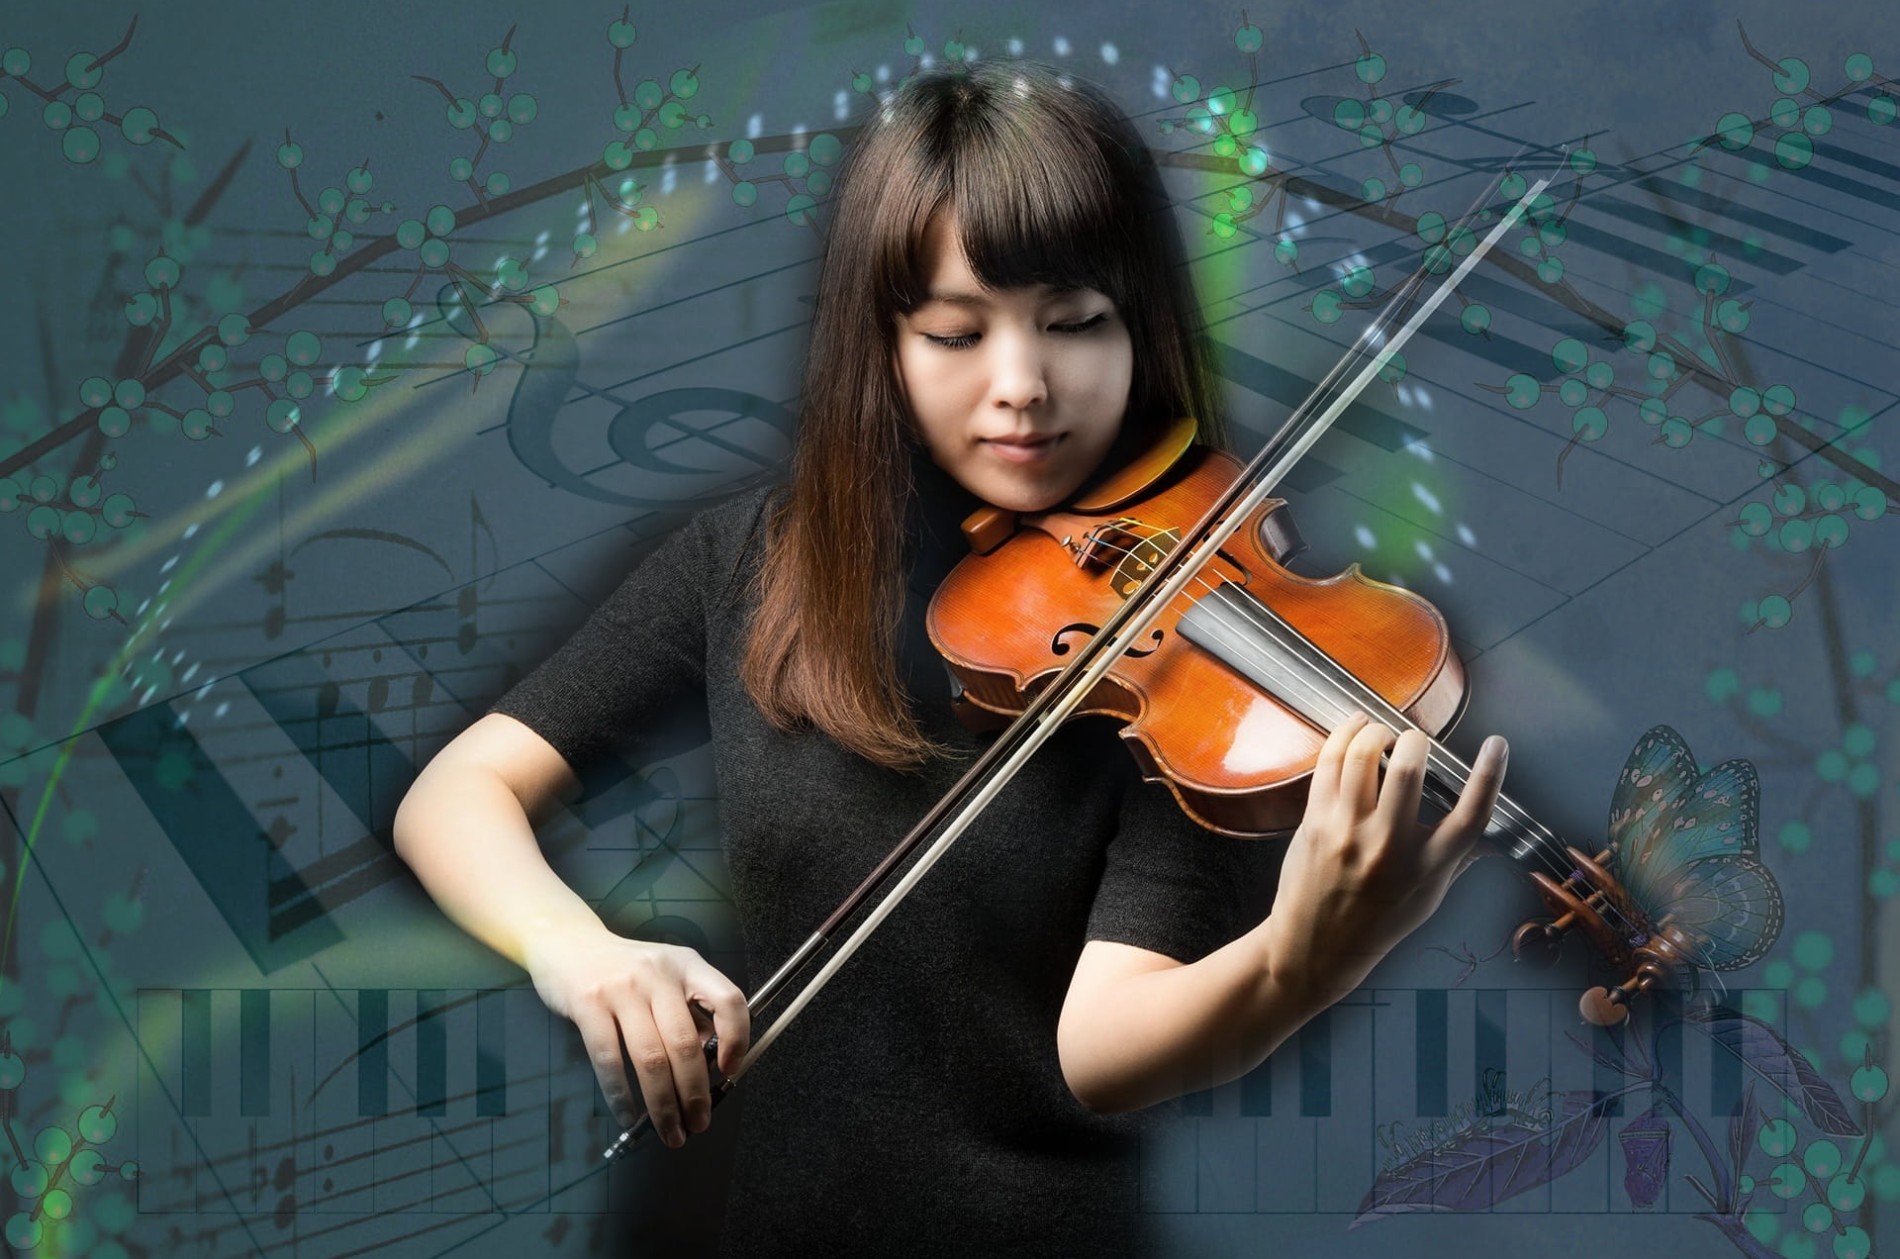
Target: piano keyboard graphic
<point>278,1109</point>
<point>1310,1129</point>
<point>343,1122</point>
<point>313,1102</point>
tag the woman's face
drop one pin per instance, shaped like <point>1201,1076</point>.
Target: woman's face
<point>1020,392</point>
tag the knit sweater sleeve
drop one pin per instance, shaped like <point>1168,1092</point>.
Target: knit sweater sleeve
<point>1171,886</point>
<point>642,647</point>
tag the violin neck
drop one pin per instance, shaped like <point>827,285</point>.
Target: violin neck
<point>1512,829</point>
<point>1258,643</point>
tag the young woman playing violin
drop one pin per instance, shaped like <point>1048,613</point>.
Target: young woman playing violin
<point>1003,315</point>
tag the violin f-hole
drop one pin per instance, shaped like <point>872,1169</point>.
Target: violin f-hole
<point>1059,648</point>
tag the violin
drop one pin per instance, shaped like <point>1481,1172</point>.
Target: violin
<point>1236,681</point>
<point>1196,718</point>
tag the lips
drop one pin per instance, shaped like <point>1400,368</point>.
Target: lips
<point>1022,449</point>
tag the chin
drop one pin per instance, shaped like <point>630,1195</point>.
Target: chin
<point>1016,497</point>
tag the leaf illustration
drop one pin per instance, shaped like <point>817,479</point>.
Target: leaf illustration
<point>1487,1165</point>
<point>1761,1049</point>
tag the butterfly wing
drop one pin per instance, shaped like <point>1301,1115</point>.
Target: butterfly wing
<point>1656,780</point>
<point>1687,850</point>
<point>1717,817</point>
<point>1729,907</point>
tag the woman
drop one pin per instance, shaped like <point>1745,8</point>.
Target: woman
<point>1002,314</point>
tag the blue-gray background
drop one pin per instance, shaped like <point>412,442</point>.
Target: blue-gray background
<point>207,941</point>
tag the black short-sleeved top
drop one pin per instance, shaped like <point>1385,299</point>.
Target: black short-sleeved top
<point>917,1105</point>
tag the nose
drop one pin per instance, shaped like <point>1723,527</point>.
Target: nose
<point>1018,378</point>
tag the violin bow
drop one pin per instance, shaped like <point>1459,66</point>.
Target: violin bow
<point>1012,748</point>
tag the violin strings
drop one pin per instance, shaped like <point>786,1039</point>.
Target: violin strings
<point>1515,814</point>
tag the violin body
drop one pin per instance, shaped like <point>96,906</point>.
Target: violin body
<point>1238,759</point>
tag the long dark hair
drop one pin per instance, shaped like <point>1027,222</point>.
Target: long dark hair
<point>1050,184</point>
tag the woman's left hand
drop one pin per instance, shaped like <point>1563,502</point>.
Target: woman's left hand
<point>1362,872</point>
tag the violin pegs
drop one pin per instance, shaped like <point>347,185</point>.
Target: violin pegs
<point>1605,1007</point>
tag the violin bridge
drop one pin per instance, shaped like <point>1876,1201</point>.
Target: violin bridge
<point>1133,555</point>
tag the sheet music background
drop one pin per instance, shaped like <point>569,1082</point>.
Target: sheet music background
<point>217,971</point>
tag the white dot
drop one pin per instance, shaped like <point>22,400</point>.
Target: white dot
<point>1426,497</point>
<point>1364,537</point>
<point>257,452</point>
<point>214,489</point>
<point>1466,536</point>
<point>1111,54</point>
<point>1061,46</point>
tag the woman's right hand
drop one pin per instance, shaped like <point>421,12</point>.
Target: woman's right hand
<point>643,995</point>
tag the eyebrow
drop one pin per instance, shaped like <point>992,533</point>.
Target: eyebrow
<point>960,298</point>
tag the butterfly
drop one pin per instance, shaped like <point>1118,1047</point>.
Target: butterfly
<point>1684,845</point>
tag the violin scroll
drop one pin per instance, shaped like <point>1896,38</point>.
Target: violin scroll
<point>1589,899</point>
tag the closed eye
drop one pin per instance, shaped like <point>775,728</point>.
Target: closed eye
<point>969,339</point>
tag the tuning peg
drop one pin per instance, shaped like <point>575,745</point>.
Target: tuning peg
<point>1605,1007</point>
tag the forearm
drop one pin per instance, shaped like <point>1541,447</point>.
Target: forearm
<point>470,842</point>
<point>1359,876</point>
<point>1146,1037</point>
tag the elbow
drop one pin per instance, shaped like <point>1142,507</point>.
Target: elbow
<point>1101,1095</point>
<point>408,830</point>
<point>1091,1079</point>
<point>1097,1100</point>
<point>403,824</point>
